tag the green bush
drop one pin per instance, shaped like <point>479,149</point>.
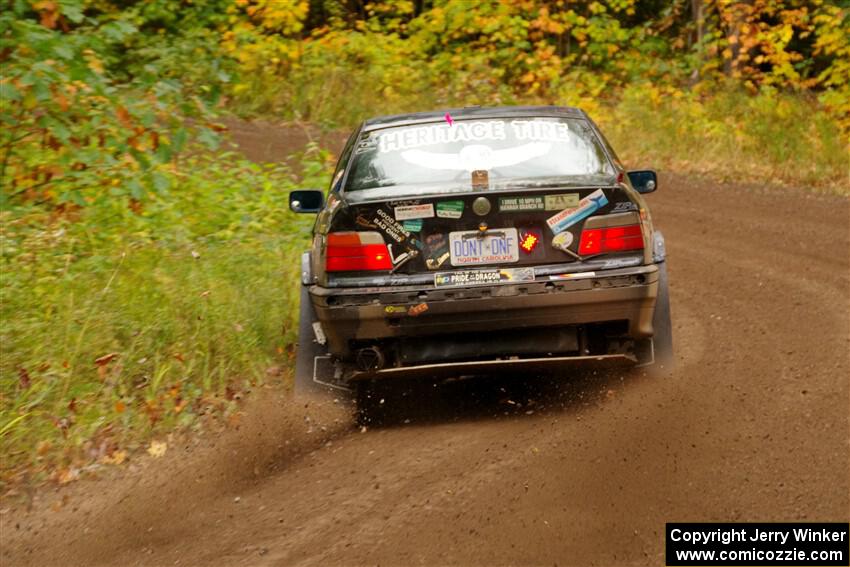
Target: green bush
<point>118,324</point>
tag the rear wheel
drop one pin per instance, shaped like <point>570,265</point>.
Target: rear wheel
<point>662,324</point>
<point>307,350</point>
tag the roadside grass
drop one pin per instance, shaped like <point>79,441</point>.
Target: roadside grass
<point>120,327</point>
<point>768,138</point>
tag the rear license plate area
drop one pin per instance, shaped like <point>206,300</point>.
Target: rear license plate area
<point>472,248</point>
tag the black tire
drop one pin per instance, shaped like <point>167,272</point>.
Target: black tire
<point>663,325</point>
<point>307,350</point>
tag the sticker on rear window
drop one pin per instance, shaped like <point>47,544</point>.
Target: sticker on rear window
<point>517,204</point>
<point>570,216</point>
<point>563,201</point>
<point>483,277</point>
<point>395,139</point>
<point>477,157</point>
<point>408,212</point>
<point>450,209</point>
<point>541,130</point>
<point>480,180</point>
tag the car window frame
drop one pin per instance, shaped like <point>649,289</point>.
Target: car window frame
<point>613,158</point>
<point>343,160</point>
<point>355,139</point>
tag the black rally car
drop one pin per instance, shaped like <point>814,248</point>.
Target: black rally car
<point>476,240</point>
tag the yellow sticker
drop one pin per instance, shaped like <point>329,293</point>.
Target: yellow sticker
<point>562,201</point>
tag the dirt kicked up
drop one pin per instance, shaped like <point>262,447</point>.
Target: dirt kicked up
<point>583,469</point>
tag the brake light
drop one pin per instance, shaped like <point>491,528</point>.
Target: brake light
<point>356,251</point>
<point>613,239</point>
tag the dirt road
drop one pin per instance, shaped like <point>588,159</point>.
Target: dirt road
<point>752,425</point>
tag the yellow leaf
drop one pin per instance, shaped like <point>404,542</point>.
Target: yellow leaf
<point>68,475</point>
<point>157,449</point>
<point>115,458</point>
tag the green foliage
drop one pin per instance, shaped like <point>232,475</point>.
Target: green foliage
<point>457,52</point>
<point>71,134</point>
<point>184,304</point>
<point>833,41</point>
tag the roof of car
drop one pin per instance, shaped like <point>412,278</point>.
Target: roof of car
<point>471,112</point>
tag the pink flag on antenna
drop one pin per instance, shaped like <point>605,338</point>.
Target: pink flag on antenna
<point>448,118</point>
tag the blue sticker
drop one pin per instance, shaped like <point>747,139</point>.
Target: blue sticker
<point>412,225</point>
<point>568,217</point>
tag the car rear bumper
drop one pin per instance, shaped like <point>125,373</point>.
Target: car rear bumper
<point>355,316</point>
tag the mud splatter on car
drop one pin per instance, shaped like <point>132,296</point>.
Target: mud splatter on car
<point>511,239</point>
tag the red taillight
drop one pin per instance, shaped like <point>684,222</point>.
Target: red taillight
<point>356,251</point>
<point>613,239</point>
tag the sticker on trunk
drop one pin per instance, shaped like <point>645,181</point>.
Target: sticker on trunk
<point>364,222</point>
<point>483,277</point>
<point>395,310</point>
<point>404,202</point>
<point>409,212</point>
<point>560,202</point>
<point>563,240</point>
<point>496,246</point>
<point>575,276</point>
<point>624,206</point>
<point>412,225</point>
<point>620,263</point>
<point>570,216</point>
<point>437,250</point>
<point>390,226</point>
<point>417,310</point>
<point>450,209</point>
<point>406,255</point>
<point>520,204</point>
<point>529,238</point>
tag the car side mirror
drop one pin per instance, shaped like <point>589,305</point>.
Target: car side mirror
<point>306,201</point>
<point>644,181</point>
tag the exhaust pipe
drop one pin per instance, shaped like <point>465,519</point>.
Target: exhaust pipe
<point>370,359</point>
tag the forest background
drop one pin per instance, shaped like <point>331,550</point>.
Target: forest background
<point>149,271</point>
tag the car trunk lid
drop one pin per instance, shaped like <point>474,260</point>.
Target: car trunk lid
<point>495,234</point>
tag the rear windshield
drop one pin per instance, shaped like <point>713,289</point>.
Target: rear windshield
<point>470,155</point>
